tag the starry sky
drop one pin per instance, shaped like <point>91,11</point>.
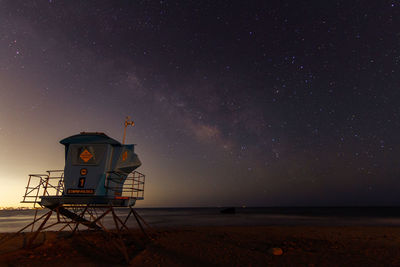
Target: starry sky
<point>256,103</point>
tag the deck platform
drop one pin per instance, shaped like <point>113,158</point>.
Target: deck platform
<point>51,201</point>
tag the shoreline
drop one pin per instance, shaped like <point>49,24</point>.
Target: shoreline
<point>215,246</point>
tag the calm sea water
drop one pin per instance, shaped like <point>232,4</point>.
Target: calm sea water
<point>14,220</point>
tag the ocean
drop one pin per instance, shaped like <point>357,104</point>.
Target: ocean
<point>14,220</point>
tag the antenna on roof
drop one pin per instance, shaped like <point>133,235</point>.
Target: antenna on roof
<point>127,122</point>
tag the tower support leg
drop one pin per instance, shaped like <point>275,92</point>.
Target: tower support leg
<point>87,216</point>
<point>30,242</point>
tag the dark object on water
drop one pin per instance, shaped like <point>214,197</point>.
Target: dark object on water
<point>228,210</point>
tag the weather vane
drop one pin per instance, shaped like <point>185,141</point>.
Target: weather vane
<point>127,122</point>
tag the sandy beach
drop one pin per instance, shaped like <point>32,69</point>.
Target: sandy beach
<point>216,246</point>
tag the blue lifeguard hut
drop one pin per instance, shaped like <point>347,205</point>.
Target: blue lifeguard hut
<point>99,175</point>
<point>97,170</point>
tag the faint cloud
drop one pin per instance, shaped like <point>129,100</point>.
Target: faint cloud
<point>133,81</point>
<point>208,134</point>
<point>203,132</point>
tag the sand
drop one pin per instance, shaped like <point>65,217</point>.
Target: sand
<point>215,246</point>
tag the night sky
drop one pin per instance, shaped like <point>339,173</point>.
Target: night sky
<point>256,103</point>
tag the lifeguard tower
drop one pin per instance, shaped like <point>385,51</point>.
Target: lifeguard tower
<point>99,176</point>
<point>97,170</point>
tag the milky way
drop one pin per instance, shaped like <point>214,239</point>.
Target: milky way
<point>235,103</point>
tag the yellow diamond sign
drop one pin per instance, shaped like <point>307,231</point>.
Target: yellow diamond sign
<point>85,155</point>
<point>124,155</point>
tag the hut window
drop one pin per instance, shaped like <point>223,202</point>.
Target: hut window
<point>87,154</point>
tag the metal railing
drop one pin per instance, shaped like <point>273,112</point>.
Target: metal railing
<point>130,187</point>
<point>50,184</point>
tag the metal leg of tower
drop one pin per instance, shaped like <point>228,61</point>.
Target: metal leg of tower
<point>122,246</point>
<point>34,218</point>
<point>127,217</point>
<point>151,233</point>
<point>92,220</point>
<point>82,215</point>
<point>93,217</point>
<point>139,223</point>
<point>143,221</point>
<point>30,242</point>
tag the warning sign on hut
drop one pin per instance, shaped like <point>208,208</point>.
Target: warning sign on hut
<point>86,155</point>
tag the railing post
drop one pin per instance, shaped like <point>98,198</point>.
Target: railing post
<point>45,187</point>
<point>26,191</point>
